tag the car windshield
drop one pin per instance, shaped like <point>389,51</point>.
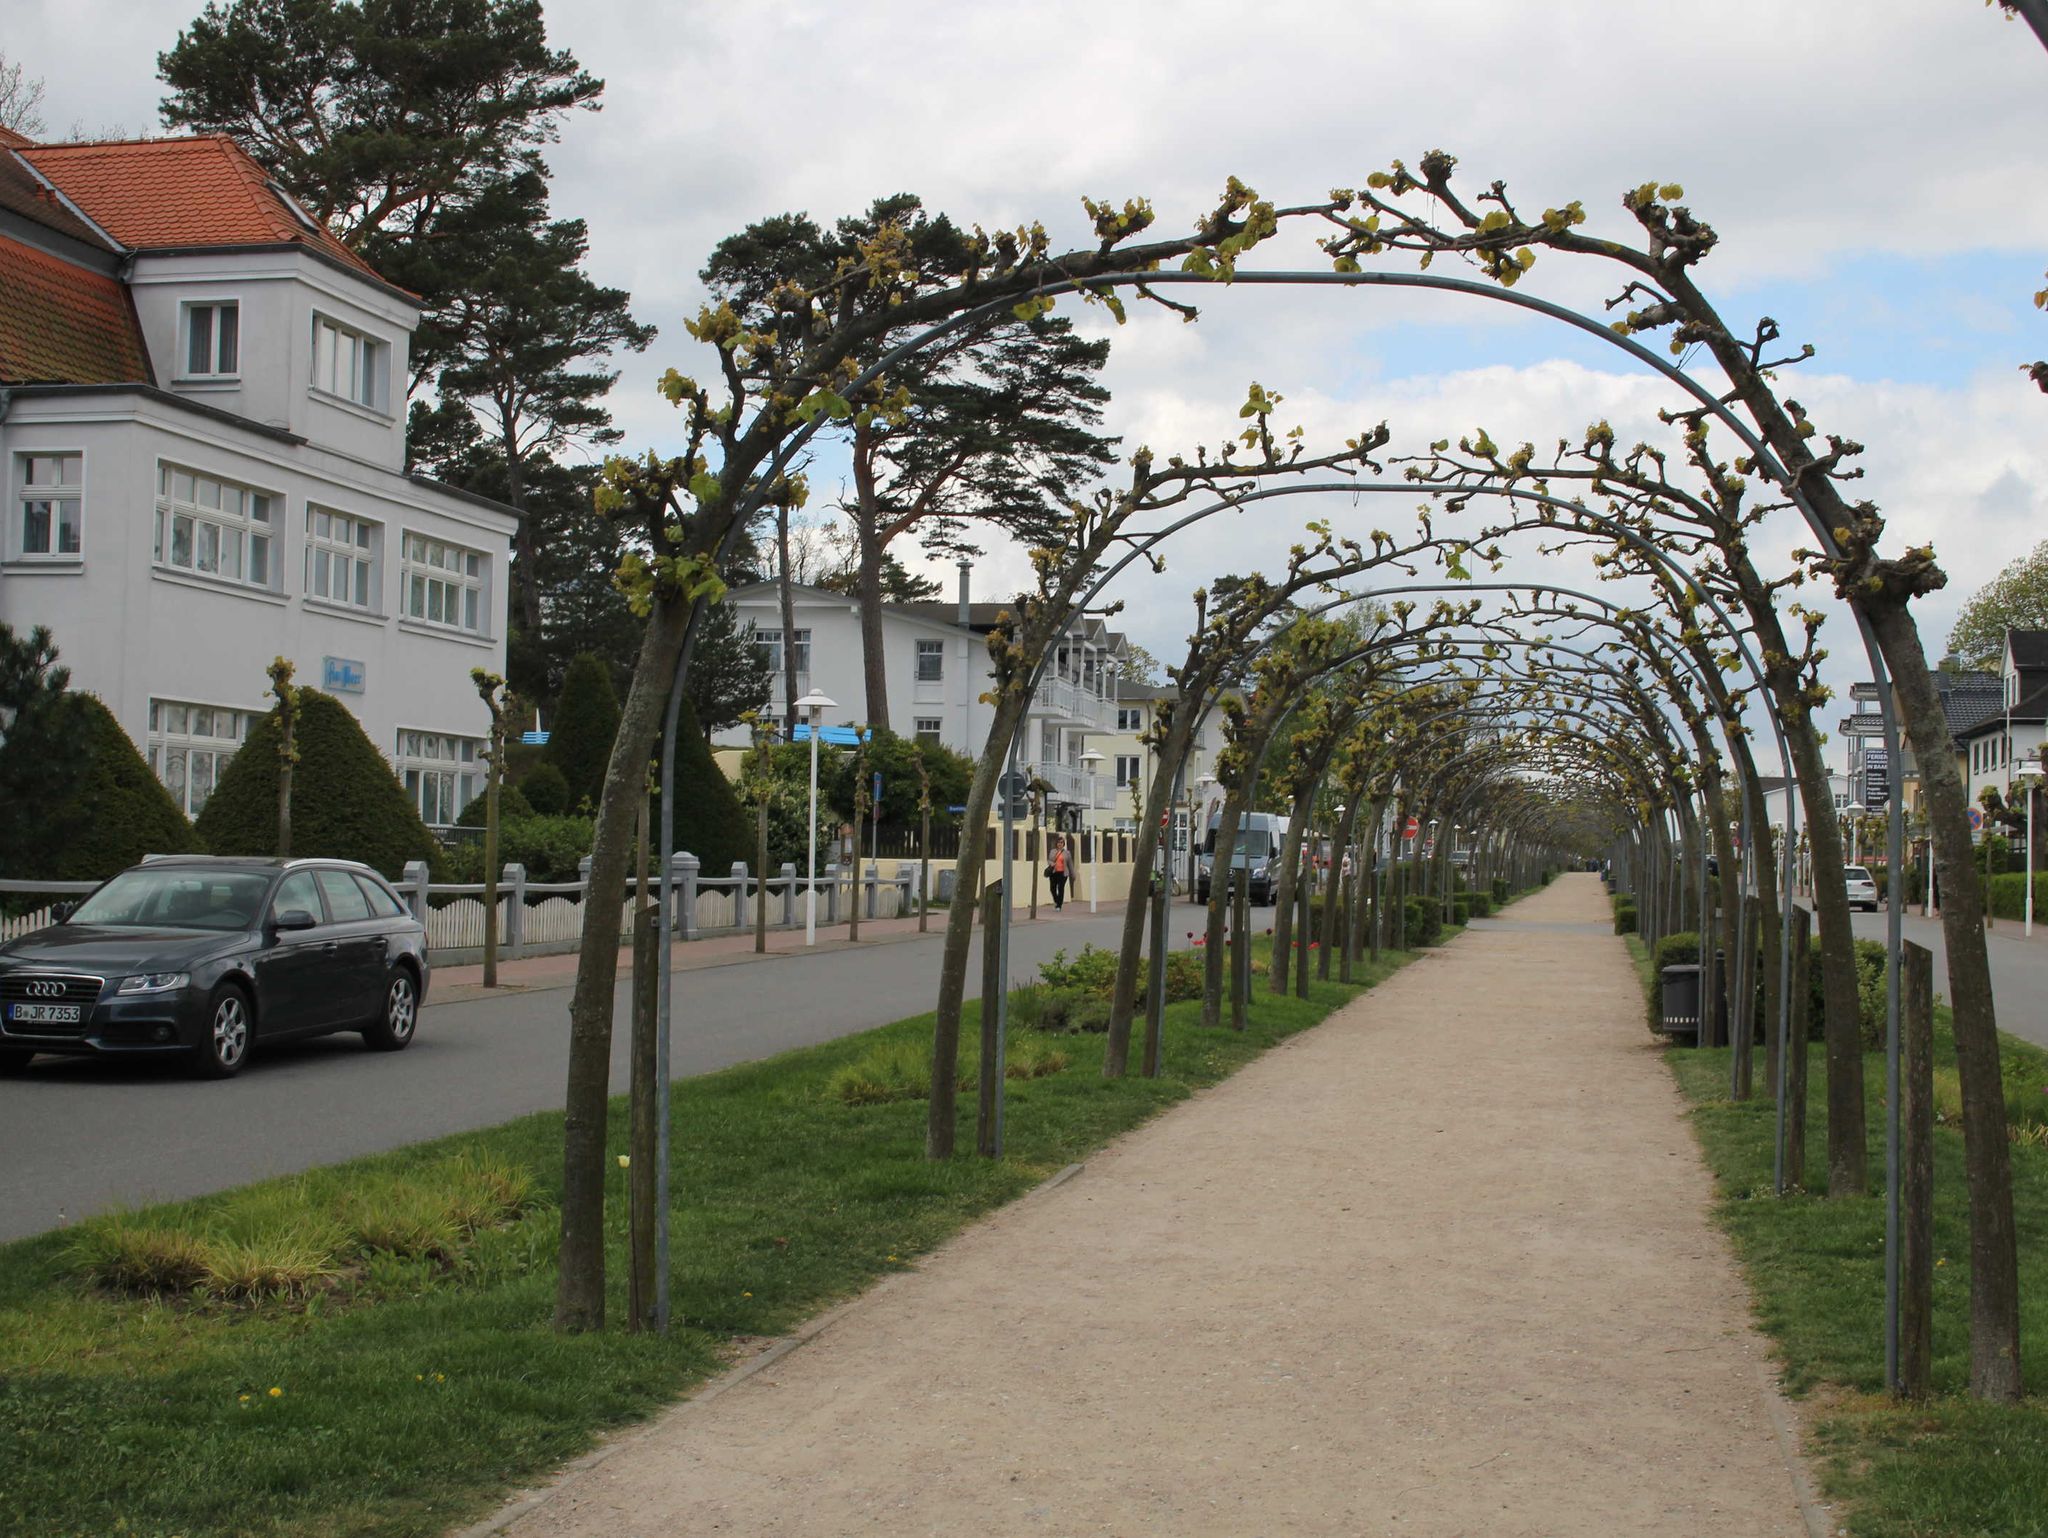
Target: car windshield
<point>176,898</point>
<point>1856,873</point>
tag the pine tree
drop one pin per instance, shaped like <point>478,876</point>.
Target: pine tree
<point>586,721</point>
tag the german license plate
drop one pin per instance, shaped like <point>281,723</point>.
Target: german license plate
<point>45,1014</point>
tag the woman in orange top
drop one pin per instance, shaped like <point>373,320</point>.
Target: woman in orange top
<point>1056,871</point>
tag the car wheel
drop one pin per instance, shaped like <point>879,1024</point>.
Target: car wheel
<point>224,1046</point>
<point>13,1061</point>
<point>400,1015</point>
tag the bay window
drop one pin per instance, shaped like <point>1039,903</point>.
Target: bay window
<point>215,528</point>
<point>350,364</point>
<point>440,773</point>
<point>442,584</point>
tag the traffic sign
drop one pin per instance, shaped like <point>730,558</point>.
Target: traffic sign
<point>1414,827</point>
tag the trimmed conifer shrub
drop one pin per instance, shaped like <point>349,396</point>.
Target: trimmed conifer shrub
<point>116,811</point>
<point>545,790</point>
<point>512,807</point>
<point>586,722</point>
<point>710,822</point>
<point>346,804</point>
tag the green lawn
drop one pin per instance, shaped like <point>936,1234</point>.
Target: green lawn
<point>1950,1468</point>
<point>414,1392</point>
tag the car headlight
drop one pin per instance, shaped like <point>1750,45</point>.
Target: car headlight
<point>155,982</point>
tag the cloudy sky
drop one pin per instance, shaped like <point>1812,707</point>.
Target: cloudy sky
<point>1874,168</point>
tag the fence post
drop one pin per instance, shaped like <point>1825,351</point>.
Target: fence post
<point>1916,1173</point>
<point>739,894</point>
<point>414,881</point>
<point>788,894</point>
<point>512,889</point>
<point>831,892</point>
<point>906,879</point>
<point>873,890</point>
<point>683,873</point>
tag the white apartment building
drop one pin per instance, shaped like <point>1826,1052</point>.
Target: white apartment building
<point>938,669</point>
<point>1130,763</point>
<point>2005,744</point>
<point>202,398</point>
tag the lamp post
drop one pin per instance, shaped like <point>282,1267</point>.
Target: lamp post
<point>814,705</point>
<point>1089,760</point>
<point>1856,811</point>
<point>1198,829</point>
<point>2032,784</point>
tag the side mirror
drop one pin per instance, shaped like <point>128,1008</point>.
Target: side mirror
<point>60,913</point>
<point>293,918</point>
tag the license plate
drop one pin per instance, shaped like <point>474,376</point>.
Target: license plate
<point>46,1014</point>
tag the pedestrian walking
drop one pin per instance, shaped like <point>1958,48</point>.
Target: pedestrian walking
<point>1056,871</point>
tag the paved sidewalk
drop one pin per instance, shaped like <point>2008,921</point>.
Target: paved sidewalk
<point>537,973</point>
<point>1440,1267</point>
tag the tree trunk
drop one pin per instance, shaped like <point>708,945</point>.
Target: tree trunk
<point>1770,925</point>
<point>1277,974</point>
<point>493,775</point>
<point>1338,845</point>
<point>523,542</point>
<point>1994,1250</point>
<point>579,1288</point>
<point>990,1083</point>
<point>1916,1173</point>
<point>867,587</point>
<point>1167,762</point>
<point>1797,1050</point>
<point>785,587</point>
<point>967,868</point>
<point>643,1135</point>
<point>1219,895</point>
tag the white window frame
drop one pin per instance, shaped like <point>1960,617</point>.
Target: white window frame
<point>464,587</point>
<point>350,364</point>
<point>176,750</point>
<point>228,528</point>
<point>768,639</point>
<point>934,654</point>
<point>62,494</point>
<point>1130,769</point>
<point>930,729</point>
<point>344,554</point>
<point>442,772</point>
<point>1130,718</point>
<point>188,336</point>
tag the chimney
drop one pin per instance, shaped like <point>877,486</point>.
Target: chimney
<point>965,567</point>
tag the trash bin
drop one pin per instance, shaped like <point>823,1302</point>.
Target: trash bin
<point>1679,1011</point>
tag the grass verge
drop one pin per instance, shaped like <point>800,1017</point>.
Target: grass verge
<point>1948,1468</point>
<point>409,1378</point>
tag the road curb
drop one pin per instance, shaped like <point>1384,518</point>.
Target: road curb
<point>524,1505</point>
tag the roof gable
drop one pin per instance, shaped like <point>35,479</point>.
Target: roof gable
<point>2029,648</point>
<point>63,324</point>
<point>172,194</point>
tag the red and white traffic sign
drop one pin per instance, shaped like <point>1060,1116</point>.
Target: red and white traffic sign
<point>1414,827</point>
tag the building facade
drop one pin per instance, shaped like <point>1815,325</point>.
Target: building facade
<point>202,399</point>
<point>2005,744</point>
<point>937,662</point>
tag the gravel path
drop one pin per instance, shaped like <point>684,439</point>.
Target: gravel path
<point>1440,1267</point>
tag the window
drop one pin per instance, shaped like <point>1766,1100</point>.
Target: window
<point>345,901</point>
<point>931,661</point>
<point>930,729</point>
<point>349,364</point>
<point>1130,718</point>
<point>52,506</point>
<point>1128,768</point>
<point>440,774</point>
<point>214,528</point>
<point>189,748</point>
<point>443,584</point>
<point>213,340</point>
<point>341,560</point>
<point>297,893</point>
<point>382,904</point>
<point>769,644</point>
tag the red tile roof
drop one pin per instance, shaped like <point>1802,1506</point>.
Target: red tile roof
<point>64,324</point>
<point>159,194</point>
<point>11,140</point>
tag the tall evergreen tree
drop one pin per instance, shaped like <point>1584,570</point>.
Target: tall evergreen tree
<point>44,748</point>
<point>990,433</point>
<point>586,721</point>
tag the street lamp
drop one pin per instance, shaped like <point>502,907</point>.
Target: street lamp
<point>2033,784</point>
<point>1089,760</point>
<point>814,705</point>
<point>1198,827</point>
<point>1856,811</point>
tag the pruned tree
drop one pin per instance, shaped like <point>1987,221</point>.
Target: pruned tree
<point>21,99</point>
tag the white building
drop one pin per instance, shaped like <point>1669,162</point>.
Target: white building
<point>202,399</point>
<point>2005,745</point>
<point>938,668</point>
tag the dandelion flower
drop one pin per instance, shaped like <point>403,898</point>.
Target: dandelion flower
<point>241,1398</point>
<point>277,1393</point>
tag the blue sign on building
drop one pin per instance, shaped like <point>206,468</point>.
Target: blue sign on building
<point>339,675</point>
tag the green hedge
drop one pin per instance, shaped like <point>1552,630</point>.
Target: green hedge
<point>1500,891</point>
<point>551,848</point>
<point>1480,904</point>
<point>512,807</point>
<point>1422,922</point>
<point>1461,911</point>
<point>1625,915</point>
<point>2009,896</point>
<point>345,802</point>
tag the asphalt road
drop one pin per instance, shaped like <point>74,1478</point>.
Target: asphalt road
<point>2019,968</point>
<point>79,1136</point>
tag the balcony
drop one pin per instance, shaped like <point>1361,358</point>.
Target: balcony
<point>1071,785</point>
<point>1066,702</point>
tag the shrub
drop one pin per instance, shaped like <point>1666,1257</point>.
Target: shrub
<point>114,812</point>
<point>1549,876</point>
<point>1093,973</point>
<point>345,802</point>
<point>1624,916</point>
<point>512,807</point>
<point>1480,904</point>
<point>586,723</point>
<point>1461,911</point>
<point>1422,922</point>
<point>2008,896</point>
<point>545,790</point>
<point>1870,997</point>
<point>1070,1012</point>
<point>1679,950</point>
<point>551,849</point>
<point>1500,891</point>
<point>710,822</point>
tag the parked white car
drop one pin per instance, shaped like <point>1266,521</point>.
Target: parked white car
<point>1862,889</point>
